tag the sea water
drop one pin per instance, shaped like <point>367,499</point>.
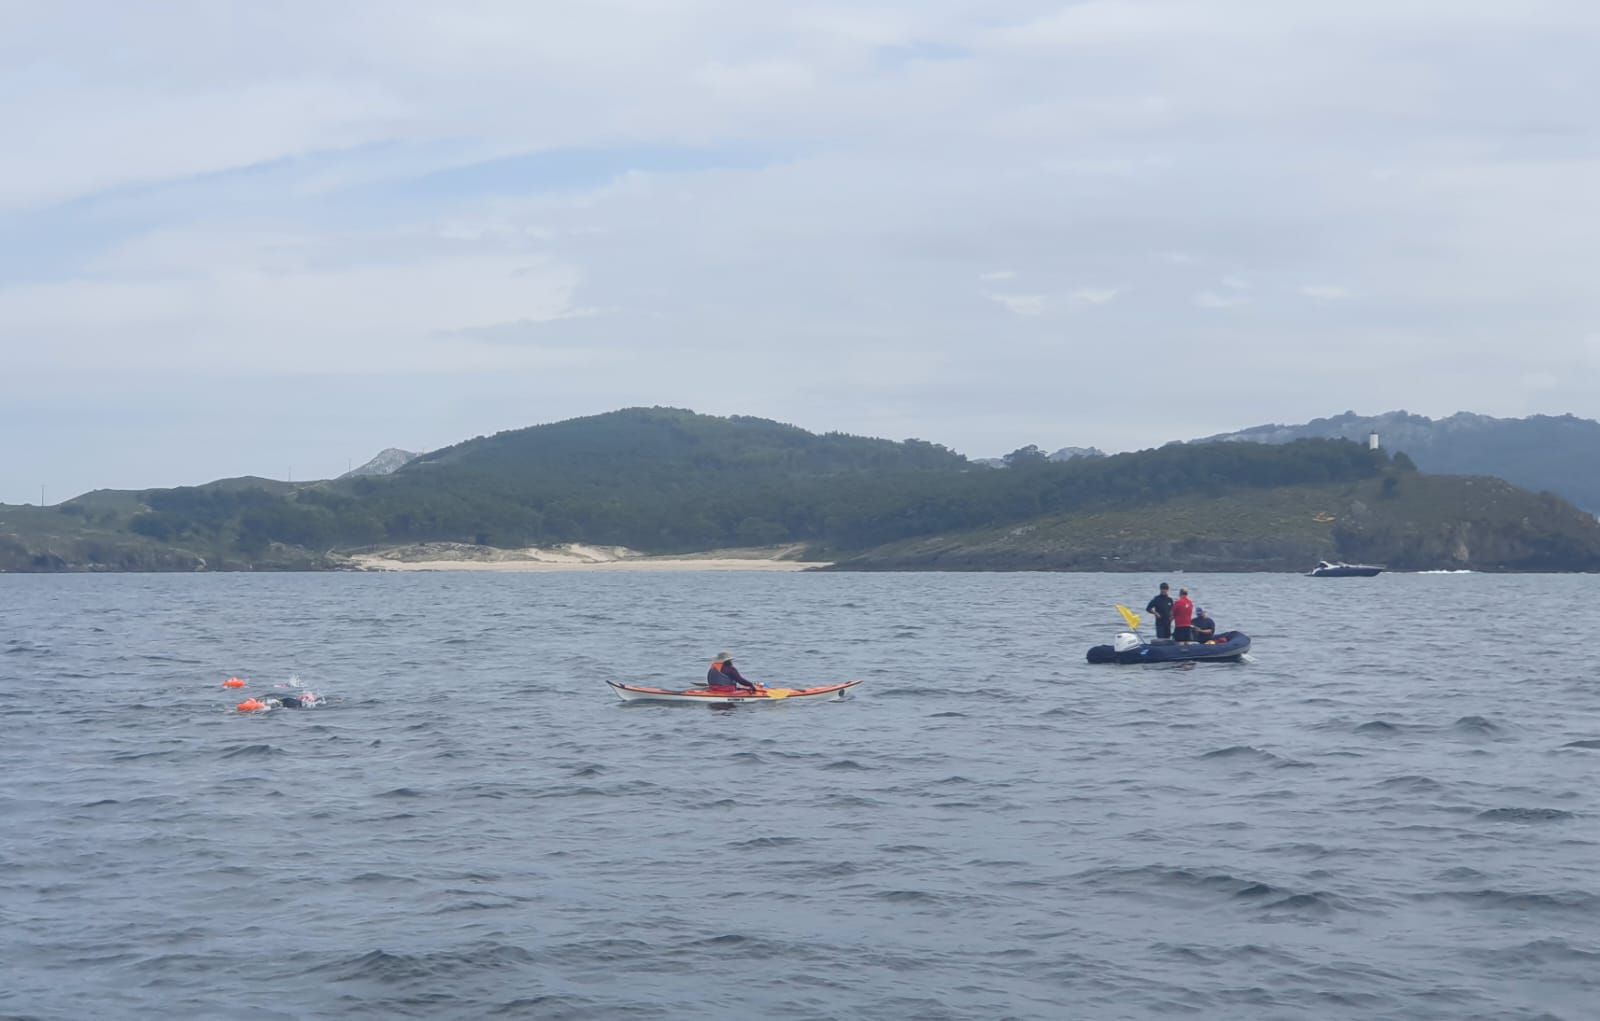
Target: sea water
<point>1390,811</point>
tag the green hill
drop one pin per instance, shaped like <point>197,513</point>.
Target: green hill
<point>663,480</point>
<point>658,479</point>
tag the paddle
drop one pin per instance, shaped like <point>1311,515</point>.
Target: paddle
<point>1129,616</point>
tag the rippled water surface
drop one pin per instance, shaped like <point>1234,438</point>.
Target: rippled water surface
<point>1391,812</point>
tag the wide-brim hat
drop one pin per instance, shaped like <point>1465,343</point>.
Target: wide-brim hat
<point>724,655</point>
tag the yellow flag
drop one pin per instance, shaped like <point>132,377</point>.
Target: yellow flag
<point>1129,616</point>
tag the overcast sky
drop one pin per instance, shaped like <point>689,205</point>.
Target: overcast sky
<point>272,239</point>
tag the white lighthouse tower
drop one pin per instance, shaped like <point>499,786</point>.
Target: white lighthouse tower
<point>1372,441</point>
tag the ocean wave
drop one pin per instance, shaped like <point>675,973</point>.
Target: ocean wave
<point>1380,728</point>
<point>762,843</point>
<point>1477,725</point>
<point>398,968</point>
<point>250,751</point>
<point>1525,815</point>
<point>1574,902</point>
<point>1217,886</point>
<point>1411,783</point>
<point>1250,753</point>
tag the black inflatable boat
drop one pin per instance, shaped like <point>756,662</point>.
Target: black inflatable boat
<point>1225,648</point>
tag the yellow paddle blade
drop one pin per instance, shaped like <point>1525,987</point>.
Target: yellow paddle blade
<point>779,692</point>
<point>1129,616</point>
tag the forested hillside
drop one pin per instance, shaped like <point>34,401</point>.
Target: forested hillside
<point>1404,520</point>
<point>662,480</point>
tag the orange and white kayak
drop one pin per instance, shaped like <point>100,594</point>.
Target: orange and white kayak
<point>727,696</point>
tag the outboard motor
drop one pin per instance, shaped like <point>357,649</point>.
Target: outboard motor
<point>1126,642</point>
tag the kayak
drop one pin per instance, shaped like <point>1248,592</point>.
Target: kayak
<point>727,696</point>
<point>1227,648</point>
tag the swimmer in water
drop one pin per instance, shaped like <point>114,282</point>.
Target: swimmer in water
<point>303,700</point>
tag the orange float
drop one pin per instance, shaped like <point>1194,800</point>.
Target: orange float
<point>233,682</point>
<point>250,705</point>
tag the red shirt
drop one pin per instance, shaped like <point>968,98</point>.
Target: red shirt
<point>1183,612</point>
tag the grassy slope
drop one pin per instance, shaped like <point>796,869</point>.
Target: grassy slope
<point>1418,524</point>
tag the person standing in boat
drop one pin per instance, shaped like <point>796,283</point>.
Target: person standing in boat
<point>1183,617</point>
<point>723,674</point>
<point>1205,628</point>
<point>1161,608</point>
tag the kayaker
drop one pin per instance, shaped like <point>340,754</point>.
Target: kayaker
<point>1205,628</point>
<point>1183,617</point>
<point>1161,608</point>
<point>723,674</point>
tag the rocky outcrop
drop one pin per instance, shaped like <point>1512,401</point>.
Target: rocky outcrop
<point>387,462</point>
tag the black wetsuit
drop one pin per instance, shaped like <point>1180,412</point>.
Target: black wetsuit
<point>726,675</point>
<point>1161,606</point>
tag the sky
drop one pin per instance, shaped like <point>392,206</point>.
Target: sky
<point>274,239</point>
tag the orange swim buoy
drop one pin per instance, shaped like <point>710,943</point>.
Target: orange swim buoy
<point>250,705</point>
<point>233,682</point>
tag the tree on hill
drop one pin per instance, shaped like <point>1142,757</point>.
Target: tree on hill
<point>1024,457</point>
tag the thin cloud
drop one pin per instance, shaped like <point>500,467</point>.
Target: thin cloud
<point>1220,299</point>
<point>1093,295</point>
<point>1325,292</point>
<point>1021,304</point>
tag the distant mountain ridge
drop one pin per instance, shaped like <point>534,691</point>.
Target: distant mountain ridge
<point>1554,453</point>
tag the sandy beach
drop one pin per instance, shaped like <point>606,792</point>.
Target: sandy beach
<point>443,556</point>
